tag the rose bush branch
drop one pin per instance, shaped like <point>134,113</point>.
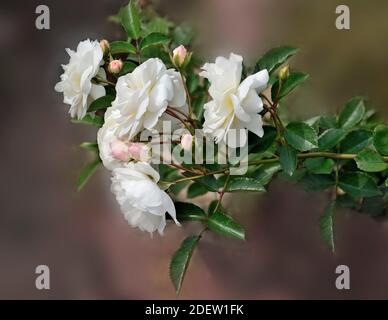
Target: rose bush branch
<point>132,87</point>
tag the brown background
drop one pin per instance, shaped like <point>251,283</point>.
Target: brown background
<point>83,238</point>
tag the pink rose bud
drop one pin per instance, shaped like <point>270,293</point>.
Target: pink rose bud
<point>139,151</point>
<point>115,66</point>
<point>187,141</point>
<point>120,150</point>
<point>104,44</point>
<point>179,56</point>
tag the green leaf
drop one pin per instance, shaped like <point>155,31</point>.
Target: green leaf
<point>225,225</point>
<point>160,25</point>
<point>244,184</point>
<point>260,145</point>
<point>101,103</point>
<point>154,39</point>
<point>326,226</point>
<point>316,182</point>
<point>374,206</point>
<point>274,58</point>
<point>89,146</point>
<point>352,114</point>
<point>128,67</point>
<point>319,165</point>
<point>265,172</point>
<point>198,104</point>
<point>380,139</point>
<point>183,34</point>
<point>294,80</point>
<point>301,136</point>
<point>188,211</point>
<point>86,173</point>
<point>117,47</point>
<point>330,138</point>
<point>196,190</point>
<point>359,185</point>
<point>192,82</point>
<point>356,141</point>
<point>328,122</point>
<point>210,182</point>
<point>288,159</point>
<point>130,20</point>
<point>370,161</point>
<point>94,121</point>
<point>180,261</point>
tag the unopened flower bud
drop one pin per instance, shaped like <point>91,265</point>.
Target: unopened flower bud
<point>115,66</point>
<point>284,73</point>
<point>120,150</point>
<point>187,141</point>
<point>340,192</point>
<point>179,56</point>
<point>139,151</point>
<point>104,44</point>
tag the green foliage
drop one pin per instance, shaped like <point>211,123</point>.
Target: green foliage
<point>352,114</point>
<point>86,173</point>
<point>326,226</point>
<point>288,159</point>
<point>101,103</point>
<point>274,58</point>
<point>188,211</point>
<point>301,136</point>
<point>118,47</point>
<point>319,165</point>
<point>380,139</point>
<point>154,39</point>
<point>180,261</point>
<point>359,185</point>
<point>97,121</point>
<point>370,161</point>
<point>330,138</point>
<point>356,141</point>
<point>244,184</point>
<point>281,89</point>
<point>225,226</point>
<point>130,19</point>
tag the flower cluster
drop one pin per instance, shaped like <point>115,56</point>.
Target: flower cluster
<point>142,99</point>
<point>137,90</point>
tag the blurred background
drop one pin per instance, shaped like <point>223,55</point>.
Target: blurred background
<point>91,251</point>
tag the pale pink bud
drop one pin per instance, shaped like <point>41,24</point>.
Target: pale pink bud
<point>179,55</point>
<point>115,66</point>
<point>187,141</point>
<point>139,151</point>
<point>104,44</point>
<point>120,150</point>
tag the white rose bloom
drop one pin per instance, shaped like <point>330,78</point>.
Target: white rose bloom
<point>76,85</point>
<point>143,96</point>
<point>234,105</point>
<point>141,200</point>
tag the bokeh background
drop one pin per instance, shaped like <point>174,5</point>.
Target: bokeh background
<point>91,251</point>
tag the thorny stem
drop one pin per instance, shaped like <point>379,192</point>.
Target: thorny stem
<point>331,155</point>
<point>222,192</point>
<point>173,114</point>
<point>187,95</point>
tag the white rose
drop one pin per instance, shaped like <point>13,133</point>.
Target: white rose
<point>142,202</point>
<point>76,85</point>
<point>143,96</point>
<point>234,105</point>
